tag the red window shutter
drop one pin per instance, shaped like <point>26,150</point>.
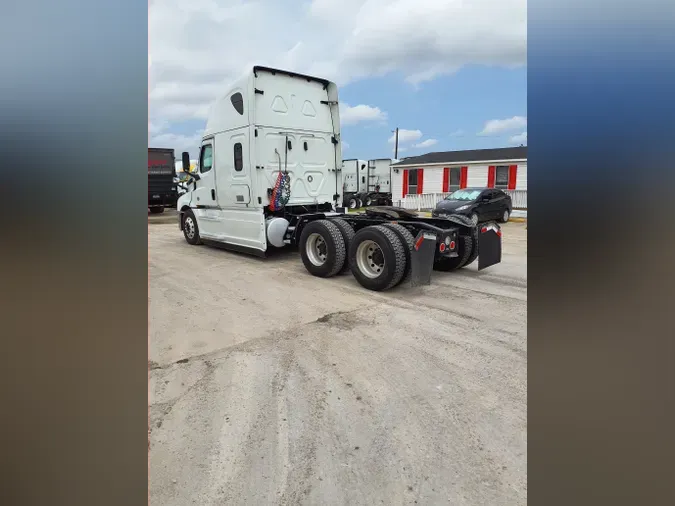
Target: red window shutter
<point>463,177</point>
<point>420,181</point>
<point>491,176</point>
<point>446,179</point>
<point>405,182</point>
<point>513,174</point>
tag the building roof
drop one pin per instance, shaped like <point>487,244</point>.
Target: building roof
<point>470,155</point>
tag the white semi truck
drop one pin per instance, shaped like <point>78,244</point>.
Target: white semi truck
<point>366,183</point>
<point>355,183</point>
<point>379,182</point>
<point>269,176</point>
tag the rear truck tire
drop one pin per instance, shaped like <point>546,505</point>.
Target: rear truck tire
<point>408,243</point>
<point>156,210</point>
<point>505,216</point>
<point>353,203</point>
<point>348,234</point>
<point>322,248</point>
<point>474,250</point>
<point>377,258</point>
<point>464,249</point>
<point>190,228</point>
<point>359,203</point>
<point>368,201</point>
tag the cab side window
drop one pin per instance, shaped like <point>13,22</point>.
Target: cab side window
<point>206,158</point>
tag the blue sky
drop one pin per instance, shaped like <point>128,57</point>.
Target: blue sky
<point>452,109</point>
<point>443,71</point>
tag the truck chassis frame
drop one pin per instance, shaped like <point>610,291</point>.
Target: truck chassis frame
<point>385,246</point>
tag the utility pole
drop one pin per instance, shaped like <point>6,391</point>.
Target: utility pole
<point>396,145</point>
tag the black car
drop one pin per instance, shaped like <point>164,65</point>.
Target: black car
<point>483,203</point>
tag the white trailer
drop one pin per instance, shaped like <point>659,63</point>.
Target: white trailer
<point>269,175</point>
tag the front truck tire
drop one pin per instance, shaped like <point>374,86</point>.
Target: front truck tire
<point>190,228</point>
<point>322,248</point>
<point>465,249</point>
<point>156,210</point>
<point>347,235</point>
<point>377,258</point>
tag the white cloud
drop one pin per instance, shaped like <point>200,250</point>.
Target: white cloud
<point>155,128</point>
<point>178,142</point>
<point>519,139</point>
<point>352,115</point>
<point>457,133</point>
<point>500,126</point>
<point>405,136</point>
<point>426,144</point>
<point>197,47</point>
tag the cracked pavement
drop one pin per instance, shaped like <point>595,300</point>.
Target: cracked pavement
<point>270,386</point>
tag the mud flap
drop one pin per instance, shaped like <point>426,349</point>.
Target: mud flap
<point>489,245</point>
<point>422,259</point>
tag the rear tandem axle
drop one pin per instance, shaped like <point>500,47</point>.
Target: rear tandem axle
<point>388,246</point>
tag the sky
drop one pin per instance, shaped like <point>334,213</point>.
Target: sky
<point>450,74</point>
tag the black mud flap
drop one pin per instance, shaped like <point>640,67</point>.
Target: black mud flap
<point>422,259</point>
<point>489,245</point>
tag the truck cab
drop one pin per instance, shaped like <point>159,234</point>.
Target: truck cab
<point>270,123</point>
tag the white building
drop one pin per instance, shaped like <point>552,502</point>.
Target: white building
<point>445,172</point>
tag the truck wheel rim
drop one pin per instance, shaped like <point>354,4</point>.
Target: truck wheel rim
<point>189,228</point>
<point>352,204</point>
<point>316,250</point>
<point>506,216</point>
<point>370,259</point>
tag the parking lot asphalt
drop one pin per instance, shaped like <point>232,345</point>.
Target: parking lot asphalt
<point>270,386</point>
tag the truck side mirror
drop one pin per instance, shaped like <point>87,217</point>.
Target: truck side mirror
<point>186,161</point>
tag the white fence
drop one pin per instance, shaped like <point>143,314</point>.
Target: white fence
<point>428,201</point>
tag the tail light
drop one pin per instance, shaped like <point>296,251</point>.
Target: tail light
<point>497,231</point>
